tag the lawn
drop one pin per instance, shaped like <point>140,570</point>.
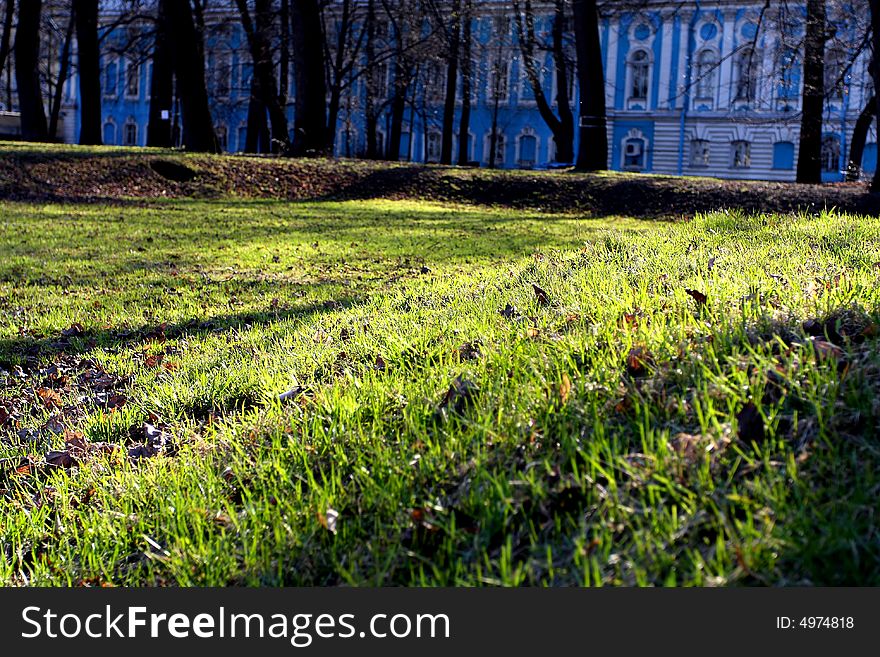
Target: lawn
<point>258,392</point>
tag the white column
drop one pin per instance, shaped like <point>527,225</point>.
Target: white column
<point>725,86</point>
<point>611,80</point>
<point>665,62</point>
<point>683,46</point>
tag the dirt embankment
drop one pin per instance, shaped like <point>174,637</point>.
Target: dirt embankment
<point>65,174</point>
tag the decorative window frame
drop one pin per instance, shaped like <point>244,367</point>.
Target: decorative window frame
<point>527,131</point>
<point>633,135</point>
<point>639,104</point>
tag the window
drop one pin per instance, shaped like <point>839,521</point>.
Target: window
<point>469,154</point>
<point>111,69</point>
<point>741,154</point>
<point>499,81</point>
<point>700,153</point>
<point>242,138</point>
<point>223,137</point>
<point>379,81</point>
<point>130,134</point>
<point>789,81</point>
<point>783,155</point>
<point>634,149</point>
<point>528,151</point>
<point>435,83</point>
<point>432,147</point>
<point>500,149</point>
<point>707,64</point>
<point>221,74</point>
<point>132,79</point>
<point>747,67</point>
<point>109,133</point>
<point>831,154</point>
<point>380,143</point>
<point>835,68</point>
<point>640,70</point>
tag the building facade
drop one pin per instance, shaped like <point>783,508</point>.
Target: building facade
<point>707,88</point>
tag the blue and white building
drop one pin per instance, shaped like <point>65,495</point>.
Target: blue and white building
<point>702,87</point>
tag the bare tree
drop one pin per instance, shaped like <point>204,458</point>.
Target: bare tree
<point>63,74</point>
<point>310,119</point>
<point>809,169</point>
<point>593,146</point>
<point>27,71</point>
<point>188,55</point>
<point>467,45</point>
<point>264,85</point>
<point>89,70</point>
<point>875,72</point>
<point>6,37</point>
<point>532,50</point>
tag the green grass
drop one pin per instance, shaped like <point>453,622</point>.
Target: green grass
<point>589,440</point>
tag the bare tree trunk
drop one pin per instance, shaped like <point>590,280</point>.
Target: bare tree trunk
<point>310,121</point>
<point>464,121</point>
<point>593,146</point>
<point>859,137</point>
<point>451,84</point>
<point>398,107</point>
<point>63,73</point>
<point>371,118</point>
<point>264,76</point>
<point>6,37</point>
<point>875,72</point>
<point>27,71</point>
<point>159,130</point>
<point>809,169</point>
<point>284,64</point>
<point>89,69</point>
<point>257,135</point>
<point>188,56</point>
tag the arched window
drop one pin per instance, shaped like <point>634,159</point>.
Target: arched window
<point>132,78</point>
<point>639,71</point>
<point>700,153</point>
<point>528,151</point>
<point>130,133</point>
<point>432,147</point>
<point>741,154</point>
<point>835,67</point>
<point>109,133</point>
<point>500,150</point>
<point>783,155</point>
<point>111,77</point>
<point>707,64</point>
<point>748,65</point>
<point>223,137</point>
<point>831,154</point>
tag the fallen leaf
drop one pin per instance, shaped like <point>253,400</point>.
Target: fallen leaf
<point>61,459</point>
<point>329,519</point>
<point>509,312</point>
<point>50,398</point>
<point>565,388</point>
<point>541,295</point>
<point>73,330</point>
<point>696,295</point>
<point>750,424</point>
<point>458,397</point>
<point>638,360</point>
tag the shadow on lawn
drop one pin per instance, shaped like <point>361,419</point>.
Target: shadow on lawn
<point>31,351</point>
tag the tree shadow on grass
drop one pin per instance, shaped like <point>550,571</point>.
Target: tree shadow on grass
<point>31,351</point>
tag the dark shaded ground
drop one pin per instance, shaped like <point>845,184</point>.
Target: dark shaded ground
<point>68,174</point>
